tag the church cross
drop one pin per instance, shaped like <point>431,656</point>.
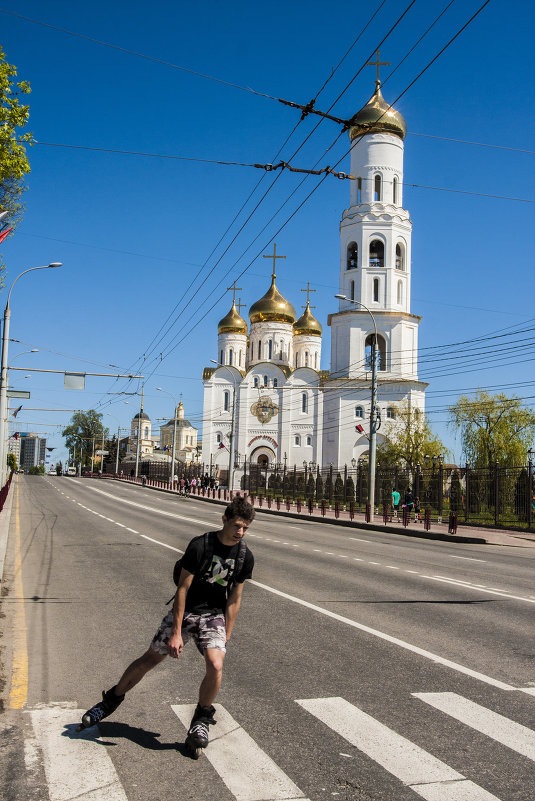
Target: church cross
<point>378,64</point>
<point>234,289</point>
<point>308,290</point>
<point>274,257</point>
<point>240,305</point>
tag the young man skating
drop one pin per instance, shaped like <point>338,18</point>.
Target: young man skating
<point>205,606</point>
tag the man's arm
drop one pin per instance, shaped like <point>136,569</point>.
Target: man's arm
<point>175,644</point>
<point>233,607</point>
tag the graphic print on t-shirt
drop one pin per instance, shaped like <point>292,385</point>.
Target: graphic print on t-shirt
<point>219,570</point>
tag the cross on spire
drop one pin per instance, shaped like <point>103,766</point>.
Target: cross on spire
<point>234,289</point>
<point>308,290</point>
<point>240,305</point>
<point>378,64</point>
<point>274,257</point>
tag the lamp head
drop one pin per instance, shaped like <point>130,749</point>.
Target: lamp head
<point>55,264</point>
<point>341,297</point>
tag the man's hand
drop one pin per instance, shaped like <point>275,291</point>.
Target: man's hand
<point>175,645</point>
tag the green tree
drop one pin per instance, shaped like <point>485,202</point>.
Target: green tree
<point>11,461</point>
<point>319,488</point>
<point>82,430</point>
<point>311,485</point>
<point>408,439</point>
<point>494,429</point>
<point>338,488</point>
<point>37,470</point>
<point>14,164</point>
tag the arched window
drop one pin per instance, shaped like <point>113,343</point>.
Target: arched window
<point>218,438</point>
<point>400,293</point>
<point>270,349</point>
<point>275,382</point>
<point>376,290</point>
<point>352,290</point>
<point>259,349</point>
<point>226,401</point>
<point>296,358</point>
<point>381,352</point>
<point>352,256</point>
<point>309,440</point>
<point>315,361</point>
<point>297,439</point>
<point>377,253</point>
<point>304,402</point>
<point>265,380</point>
<point>306,358</point>
<point>359,190</point>
<point>221,357</point>
<point>230,356</point>
<point>256,380</point>
<point>395,189</point>
<point>146,435</point>
<point>377,187</point>
<point>391,413</point>
<point>241,354</point>
<point>359,411</point>
<point>400,256</point>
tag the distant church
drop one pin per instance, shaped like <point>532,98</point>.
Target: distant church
<point>268,401</point>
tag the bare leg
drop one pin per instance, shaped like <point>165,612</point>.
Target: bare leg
<point>135,672</point>
<point>211,683</point>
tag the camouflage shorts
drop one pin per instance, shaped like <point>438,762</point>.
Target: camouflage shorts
<point>208,631</point>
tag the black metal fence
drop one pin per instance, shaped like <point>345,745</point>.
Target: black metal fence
<point>495,496</point>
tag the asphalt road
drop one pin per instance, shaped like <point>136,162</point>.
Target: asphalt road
<point>362,666</point>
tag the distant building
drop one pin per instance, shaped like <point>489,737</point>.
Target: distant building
<point>32,450</point>
<point>141,422</point>
<point>186,437</point>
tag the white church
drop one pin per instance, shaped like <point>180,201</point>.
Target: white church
<point>267,401</point>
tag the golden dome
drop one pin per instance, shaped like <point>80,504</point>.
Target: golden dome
<point>272,307</point>
<point>232,323</point>
<point>307,324</point>
<point>377,117</point>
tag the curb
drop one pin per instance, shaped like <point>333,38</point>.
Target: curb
<point>5,519</point>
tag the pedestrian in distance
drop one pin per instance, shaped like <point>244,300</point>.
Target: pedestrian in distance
<point>210,579</point>
<point>396,497</point>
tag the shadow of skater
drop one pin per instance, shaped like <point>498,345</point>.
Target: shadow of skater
<point>104,732</point>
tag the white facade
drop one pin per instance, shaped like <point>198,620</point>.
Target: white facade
<point>280,407</point>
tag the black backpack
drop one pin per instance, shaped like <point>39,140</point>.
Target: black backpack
<point>208,552</point>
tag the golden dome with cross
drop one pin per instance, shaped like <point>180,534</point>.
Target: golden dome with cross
<point>272,307</point>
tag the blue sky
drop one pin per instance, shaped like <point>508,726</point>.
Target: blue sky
<point>134,231</point>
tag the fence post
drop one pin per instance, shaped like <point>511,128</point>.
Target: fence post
<point>496,493</point>
<point>288,504</point>
<point>452,523</point>
<point>385,513</point>
<point>278,502</point>
<point>531,498</point>
<point>367,513</point>
<point>351,510</point>
<point>405,516</point>
<point>323,506</point>
<point>427,519</point>
<point>440,489</point>
<point>310,506</point>
<point>299,506</point>
<point>467,493</point>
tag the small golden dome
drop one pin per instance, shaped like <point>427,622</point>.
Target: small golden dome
<point>307,324</point>
<point>377,117</point>
<point>272,307</point>
<point>232,323</point>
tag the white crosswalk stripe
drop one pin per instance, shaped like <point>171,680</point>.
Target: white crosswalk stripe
<point>76,765</point>
<point>507,732</point>
<point>422,772</point>
<point>249,773</point>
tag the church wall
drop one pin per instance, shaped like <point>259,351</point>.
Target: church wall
<point>281,336</point>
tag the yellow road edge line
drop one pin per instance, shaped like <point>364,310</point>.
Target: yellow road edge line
<point>18,694</point>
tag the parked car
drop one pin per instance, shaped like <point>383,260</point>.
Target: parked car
<point>71,471</point>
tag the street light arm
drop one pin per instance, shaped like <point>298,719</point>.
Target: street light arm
<point>50,266</point>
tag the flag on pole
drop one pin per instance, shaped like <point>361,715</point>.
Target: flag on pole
<point>15,413</point>
<point>221,445</point>
<point>5,232</point>
<point>359,428</point>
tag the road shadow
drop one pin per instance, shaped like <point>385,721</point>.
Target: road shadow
<point>105,733</point>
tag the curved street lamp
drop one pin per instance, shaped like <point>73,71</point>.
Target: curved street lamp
<point>373,410</point>
<point>4,373</point>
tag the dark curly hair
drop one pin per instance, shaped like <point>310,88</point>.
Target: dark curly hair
<point>239,507</point>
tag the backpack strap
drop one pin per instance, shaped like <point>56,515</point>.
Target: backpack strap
<point>238,564</point>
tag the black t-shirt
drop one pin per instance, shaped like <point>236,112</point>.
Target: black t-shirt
<point>209,592</point>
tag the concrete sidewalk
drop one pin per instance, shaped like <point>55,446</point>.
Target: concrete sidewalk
<point>438,531</point>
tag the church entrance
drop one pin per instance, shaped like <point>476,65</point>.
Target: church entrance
<point>262,456</point>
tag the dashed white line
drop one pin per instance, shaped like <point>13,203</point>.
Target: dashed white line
<point>470,558</point>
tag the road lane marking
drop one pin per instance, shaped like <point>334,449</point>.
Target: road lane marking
<point>479,588</point>
<point>164,544</point>
<point>470,558</point>
<point>499,728</point>
<point>132,530</point>
<point>149,508</point>
<point>501,685</point>
<point>356,539</point>
<point>426,775</point>
<point>248,772</point>
<point>76,765</point>
<point>18,692</point>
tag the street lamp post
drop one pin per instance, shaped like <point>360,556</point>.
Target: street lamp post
<point>373,410</point>
<point>172,471</point>
<point>4,370</point>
